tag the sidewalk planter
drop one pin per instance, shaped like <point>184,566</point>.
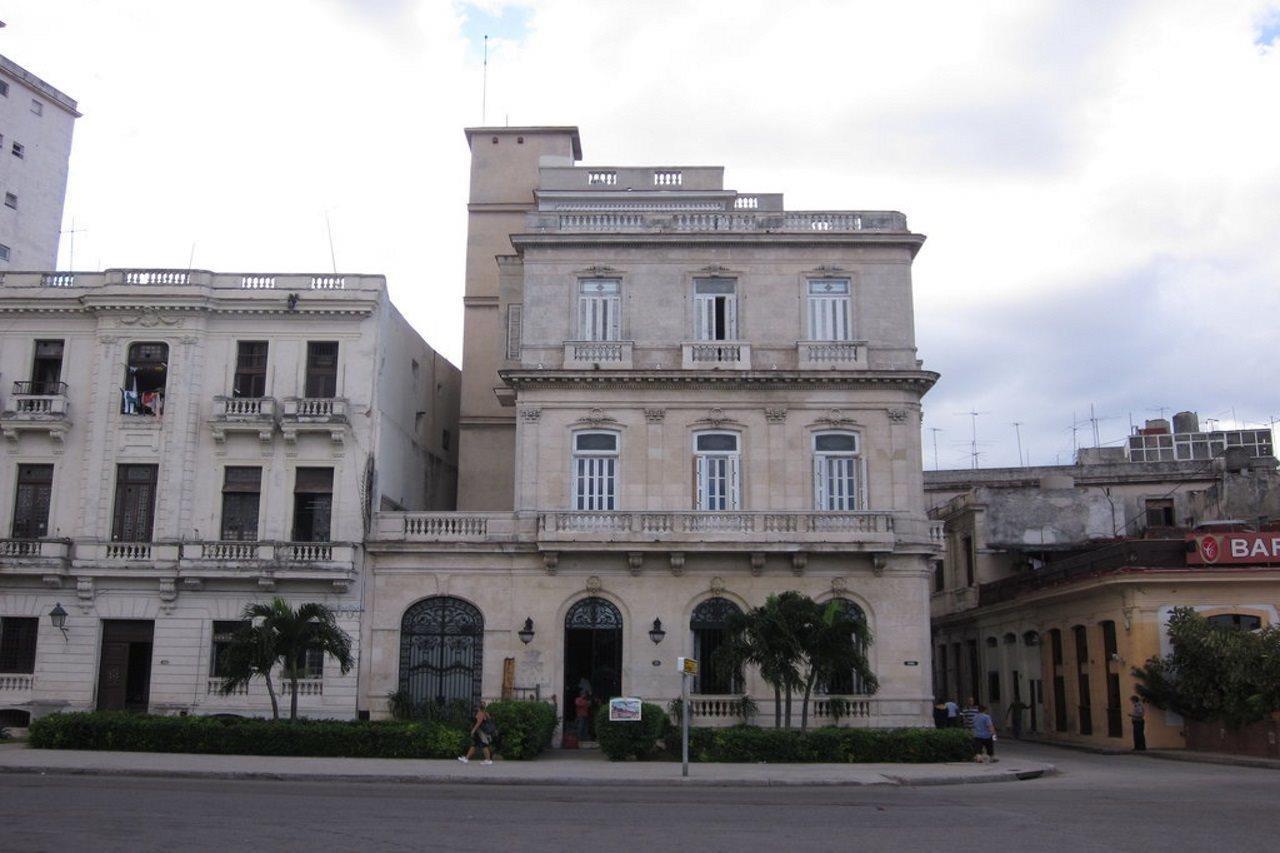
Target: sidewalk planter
<point>126,732</point>
<point>753,745</point>
<point>632,739</point>
<point>524,728</point>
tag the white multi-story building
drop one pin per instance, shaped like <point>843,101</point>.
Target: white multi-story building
<point>36,121</point>
<point>176,444</point>
<point>677,400</point>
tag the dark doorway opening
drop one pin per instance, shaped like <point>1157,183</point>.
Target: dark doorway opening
<point>124,674</point>
<point>592,655</point>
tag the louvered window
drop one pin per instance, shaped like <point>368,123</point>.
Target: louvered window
<point>829,310</point>
<point>241,495</point>
<point>717,475</point>
<point>31,504</point>
<point>716,309</point>
<point>595,471</point>
<point>312,504</point>
<point>135,503</point>
<point>251,369</point>
<point>599,309</point>
<point>322,369</point>
<point>838,480</point>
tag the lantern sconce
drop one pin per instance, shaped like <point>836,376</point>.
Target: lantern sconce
<point>526,633</point>
<point>656,633</point>
<point>58,616</point>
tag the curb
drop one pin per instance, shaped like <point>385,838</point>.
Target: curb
<point>558,781</point>
<point>1190,757</point>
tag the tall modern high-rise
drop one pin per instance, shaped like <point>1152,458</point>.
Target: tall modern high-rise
<point>36,121</point>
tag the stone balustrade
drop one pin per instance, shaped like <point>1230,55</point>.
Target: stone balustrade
<point>586,355</point>
<point>10,681</point>
<point>715,711</point>
<point>269,283</point>
<point>743,218</point>
<point>452,527</point>
<point>826,355</point>
<point>244,408</point>
<point>712,355</point>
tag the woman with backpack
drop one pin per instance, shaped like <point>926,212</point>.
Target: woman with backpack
<point>483,731</point>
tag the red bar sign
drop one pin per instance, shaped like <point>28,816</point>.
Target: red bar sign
<point>1226,549</point>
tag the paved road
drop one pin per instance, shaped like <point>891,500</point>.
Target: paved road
<point>1097,803</point>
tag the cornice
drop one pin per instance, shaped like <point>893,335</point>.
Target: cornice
<point>910,380</point>
<point>685,238</point>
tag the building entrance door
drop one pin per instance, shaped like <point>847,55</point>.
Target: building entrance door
<point>592,654</point>
<point>124,672</point>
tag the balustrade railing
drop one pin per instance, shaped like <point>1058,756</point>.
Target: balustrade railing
<point>247,408</point>
<point>603,352</point>
<point>310,552</point>
<point>319,408</point>
<point>701,354</point>
<point>445,524</point>
<point>19,547</point>
<point>15,681</point>
<point>157,276</point>
<point>58,279</point>
<point>746,216</point>
<point>668,178</point>
<point>693,521</point>
<point>328,282</point>
<point>229,550</point>
<point>827,353</point>
<point>258,282</point>
<point>127,551</point>
<point>38,388</point>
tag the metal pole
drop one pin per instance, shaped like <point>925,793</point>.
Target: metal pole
<point>684,723</point>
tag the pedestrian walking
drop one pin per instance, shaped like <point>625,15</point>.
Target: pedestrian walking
<point>984,735</point>
<point>483,731</point>
<point>1138,716</point>
<point>953,714</point>
<point>968,713</point>
<point>940,714</point>
<point>1015,717</point>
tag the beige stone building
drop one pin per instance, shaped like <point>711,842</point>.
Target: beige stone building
<point>677,400</point>
<point>175,444</point>
<point>36,123</point>
<point>1057,581</point>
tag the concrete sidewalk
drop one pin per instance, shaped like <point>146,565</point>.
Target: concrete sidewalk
<point>555,768</point>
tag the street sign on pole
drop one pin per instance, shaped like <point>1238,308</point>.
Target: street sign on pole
<point>688,668</point>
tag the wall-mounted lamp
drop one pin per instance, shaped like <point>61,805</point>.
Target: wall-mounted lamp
<point>656,633</point>
<point>58,617</point>
<point>526,633</point>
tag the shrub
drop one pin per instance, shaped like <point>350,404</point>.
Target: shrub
<point>638,738</point>
<point>457,713</point>
<point>750,744</point>
<point>524,728</point>
<point>118,730</point>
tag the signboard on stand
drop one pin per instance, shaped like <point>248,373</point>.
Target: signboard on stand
<point>624,709</point>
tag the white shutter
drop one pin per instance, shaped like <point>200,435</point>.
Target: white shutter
<point>861,474</point>
<point>702,319</point>
<point>732,484</point>
<point>819,484</point>
<point>614,327</point>
<point>700,483</point>
<point>731,317</point>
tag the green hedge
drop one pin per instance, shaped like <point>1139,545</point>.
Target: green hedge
<point>118,730</point>
<point>524,728</point>
<point>750,744</point>
<point>638,739</point>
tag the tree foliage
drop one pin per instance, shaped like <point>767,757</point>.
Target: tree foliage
<point>1214,672</point>
<point>279,635</point>
<point>798,645</point>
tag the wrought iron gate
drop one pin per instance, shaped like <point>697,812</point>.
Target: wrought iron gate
<point>442,651</point>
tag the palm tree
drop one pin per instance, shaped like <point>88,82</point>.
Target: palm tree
<point>835,644</point>
<point>251,653</point>
<point>765,637</point>
<point>284,636</point>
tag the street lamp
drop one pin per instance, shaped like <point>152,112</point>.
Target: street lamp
<point>526,633</point>
<point>656,633</point>
<point>58,617</point>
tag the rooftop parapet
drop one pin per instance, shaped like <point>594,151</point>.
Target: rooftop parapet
<point>178,279</point>
<point>629,219</point>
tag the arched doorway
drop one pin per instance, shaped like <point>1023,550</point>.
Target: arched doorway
<point>848,683</point>
<point>441,651</point>
<point>592,652</point>
<point>710,626</point>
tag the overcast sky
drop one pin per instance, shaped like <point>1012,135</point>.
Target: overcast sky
<point>1099,181</point>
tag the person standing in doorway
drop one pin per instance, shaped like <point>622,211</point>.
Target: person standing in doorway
<point>1138,716</point>
<point>984,735</point>
<point>1016,707</point>
<point>582,714</point>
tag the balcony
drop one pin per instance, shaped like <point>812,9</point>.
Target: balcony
<point>34,556</point>
<point>322,415</point>
<point>743,219</point>
<point>715,355</point>
<point>252,415</point>
<point>36,407</point>
<point>457,527</point>
<point>831,355</point>
<point>875,531</point>
<point>124,555</point>
<point>270,562</point>
<point>606,355</point>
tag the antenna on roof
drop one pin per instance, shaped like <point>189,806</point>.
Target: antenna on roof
<point>73,231</point>
<point>973,439</point>
<point>1017,430</point>
<point>484,86</point>
<point>333,259</point>
<point>935,431</point>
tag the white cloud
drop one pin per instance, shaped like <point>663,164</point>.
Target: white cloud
<point>1098,180</point>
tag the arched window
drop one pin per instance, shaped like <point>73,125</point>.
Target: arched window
<point>441,651</point>
<point>145,377</point>
<point>595,471</point>
<point>848,684</point>
<point>709,624</point>
<point>717,466</point>
<point>838,477</point>
<point>1243,621</point>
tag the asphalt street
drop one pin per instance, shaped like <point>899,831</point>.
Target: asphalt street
<point>1117,802</point>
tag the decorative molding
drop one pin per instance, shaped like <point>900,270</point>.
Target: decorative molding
<point>836,418</point>
<point>716,418</point>
<point>52,581</point>
<point>266,582</point>
<point>550,561</point>
<point>599,270</point>
<point>757,563</point>
<point>655,416</point>
<point>897,416</point>
<point>595,418</point>
<point>715,269</point>
<point>839,585</point>
<point>150,318</point>
<point>168,594</point>
<point>593,584</point>
<point>879,561</point>
<point>677,563</point>
<point>717,585</point>
<point>635,562</point>
<point>193,583</point>
<point>85,592</point>
<point>530,415</point>
<point>775,416</point>
<point>798,561</point>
